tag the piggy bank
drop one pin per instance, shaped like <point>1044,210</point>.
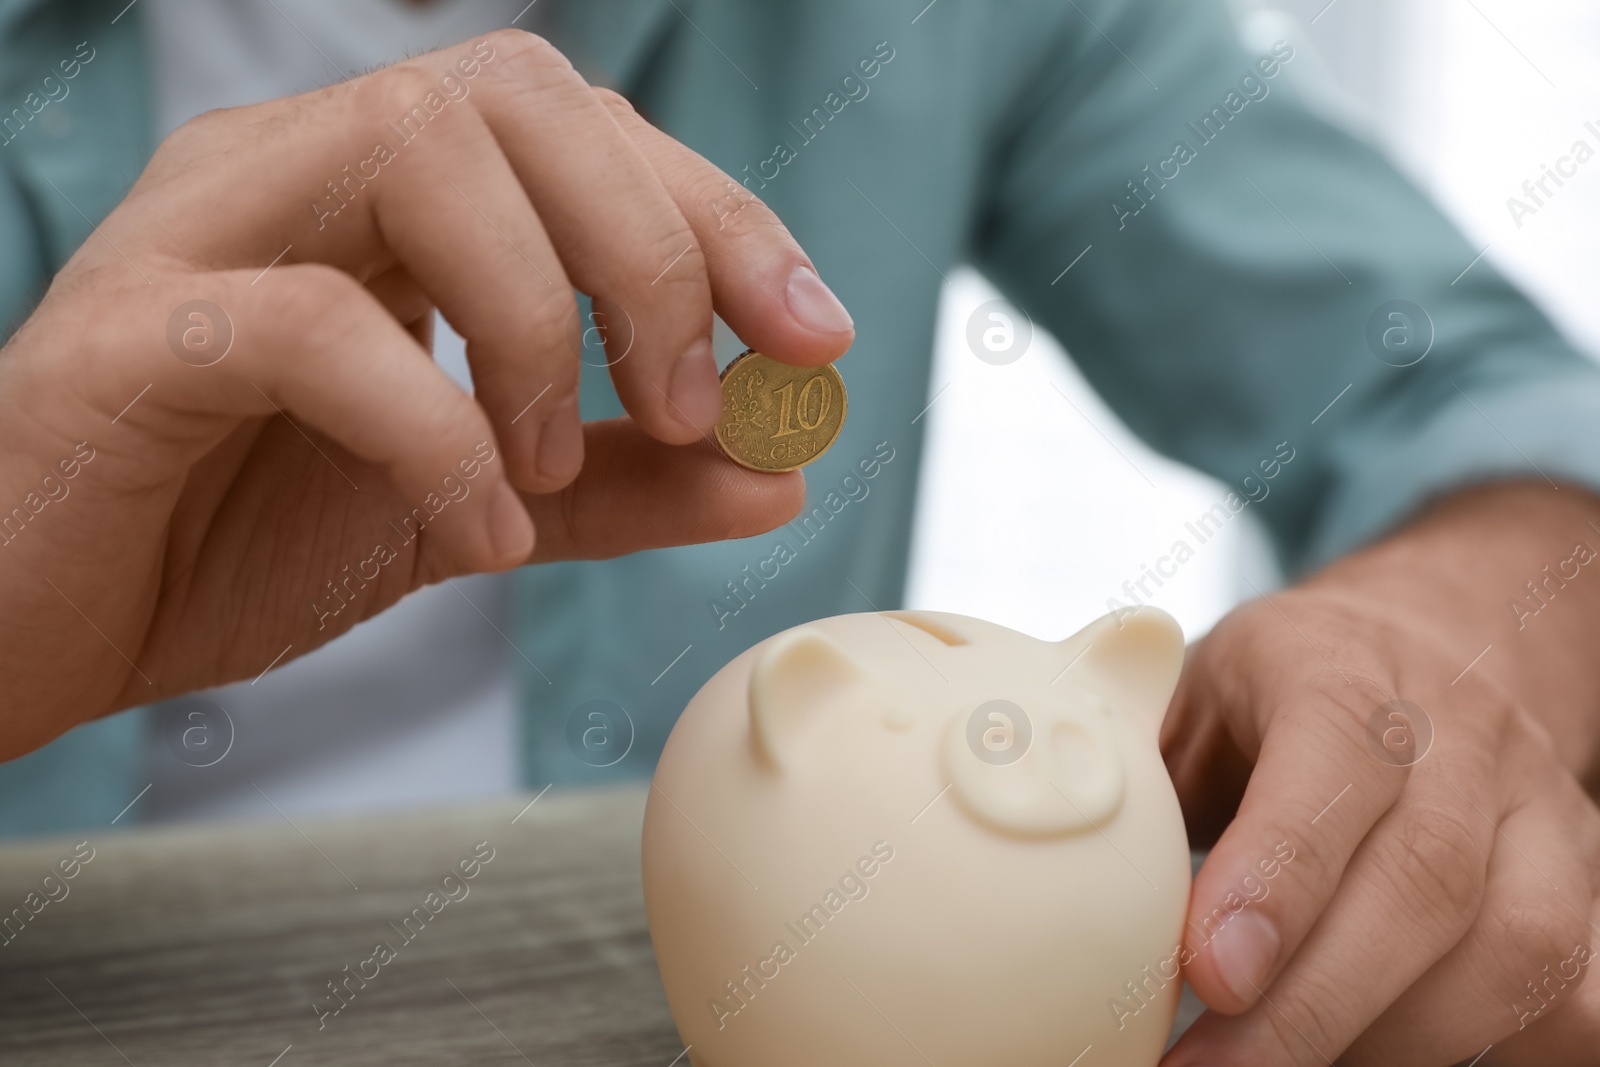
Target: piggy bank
<point>918,838</point>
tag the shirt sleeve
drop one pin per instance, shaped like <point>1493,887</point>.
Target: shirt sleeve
<point>1253,274</point>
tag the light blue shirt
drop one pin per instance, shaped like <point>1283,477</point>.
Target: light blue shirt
<point>1239,263</point>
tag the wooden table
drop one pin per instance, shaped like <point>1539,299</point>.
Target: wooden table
<point>210,944</point>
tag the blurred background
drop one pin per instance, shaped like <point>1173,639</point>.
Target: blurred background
<point>1471,98</point>
<point>1038,505</point>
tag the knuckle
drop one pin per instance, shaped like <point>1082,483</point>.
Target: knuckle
<point>614,101</point>
<point>1441,864</point>
<point>1534,935</point>
<point>524,70</point>
<point>1353,694</point>
<point>322,302</point>
<point>1284,1043</point>
<point>521,56</point>
<point>395,92</point>
<point>754,220</point>
<point>1336,723</point>
<point>732,209</point>
<point>1262,850</point>
<point>1515,725</point>
<point>197,130</point>
<point>548,317</point>
<point>202,138</point>
<point>553,326</point>
<point>1310,1013</point>
<point>1583,1019</point>
<point>674,260</point>
<point>1337,710</point>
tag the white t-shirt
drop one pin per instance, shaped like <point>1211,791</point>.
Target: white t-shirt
<point>420,703</point>
<point>225,53</point>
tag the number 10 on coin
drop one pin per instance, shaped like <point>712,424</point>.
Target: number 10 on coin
<point>778,417</point>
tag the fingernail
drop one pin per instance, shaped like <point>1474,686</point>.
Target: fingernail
<point>694,389</point>
<point>813,304</point>
<point>561,442</point>
<point>510,529</point>
<point>1245,950</point>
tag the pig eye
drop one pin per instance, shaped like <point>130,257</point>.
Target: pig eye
<point>900,716</point>
<point>928,626</point>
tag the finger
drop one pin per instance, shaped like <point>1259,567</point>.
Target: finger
<point>1207,767</point>
<point>403,298</point>
<point>1425,860</point>
<point>636,493</point>
<point>619,234</point>
<point>312,346</point>
<point>1315,793</point>
<point>1566,1034</point>
<point>1522,959</point>
<point>762,283</point>
<point>514,308</point>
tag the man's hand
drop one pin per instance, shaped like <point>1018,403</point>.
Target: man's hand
<point>222,439</point>
<point>1417,746</point>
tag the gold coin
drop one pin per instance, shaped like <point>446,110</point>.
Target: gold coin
<point>777,417</point>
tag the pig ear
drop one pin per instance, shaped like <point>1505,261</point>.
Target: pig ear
<point>797,678</point>
<point>1135,655</point>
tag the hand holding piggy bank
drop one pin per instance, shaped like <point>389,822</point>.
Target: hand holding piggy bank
<point>916,838</point>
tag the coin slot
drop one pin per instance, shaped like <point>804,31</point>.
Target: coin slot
<point>928,626</point>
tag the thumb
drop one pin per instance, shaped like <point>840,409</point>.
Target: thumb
<point>1209,767</point>
<point>635,492</point>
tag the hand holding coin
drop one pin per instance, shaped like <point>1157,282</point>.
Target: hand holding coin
<point>778,417</point>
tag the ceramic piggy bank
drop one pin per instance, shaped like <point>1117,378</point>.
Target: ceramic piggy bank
<point>916,838</point>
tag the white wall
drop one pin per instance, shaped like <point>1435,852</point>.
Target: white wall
<point>1038,504</point>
